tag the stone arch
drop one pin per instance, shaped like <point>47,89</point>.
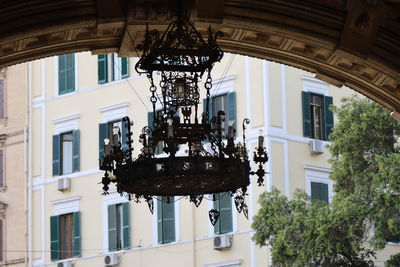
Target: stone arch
<point>352,43</point>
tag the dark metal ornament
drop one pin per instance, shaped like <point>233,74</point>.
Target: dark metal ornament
<point>213,215</point>
<point>196,199</point>
<point>239,201</point>
<point>150,203</point>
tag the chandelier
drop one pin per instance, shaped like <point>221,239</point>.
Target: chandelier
<point>181,57</point>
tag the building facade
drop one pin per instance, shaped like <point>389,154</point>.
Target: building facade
<point>14,165</point>
<point>76,101</point>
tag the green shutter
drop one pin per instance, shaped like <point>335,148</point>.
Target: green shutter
<point>126,226</point>
<point>102,68</point>
<point>224,205</point>
<point>76,234</point>
<point>319,191</point>
<point>124,132</point>
<point>306,114</point>
<point>112,227</point>
<point>217,226</point>
<point>124,67</point>
<point>55,238</point>
<point>103,134</point>
<point>328,116</point>
<point>150,119</point>
<point>209,108</point>
<point>66,73</point>
<point>62,76</point>
<point>232,108</point>
<point>76,167</point>
<point>56,155</point>
<point>159,221</point>
<point>168,227</point>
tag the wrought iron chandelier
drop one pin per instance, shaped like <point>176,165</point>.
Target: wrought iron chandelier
<point>181,56</point>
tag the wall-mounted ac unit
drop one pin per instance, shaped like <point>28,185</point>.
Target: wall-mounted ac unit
<point>64,184</point>
<point>316,146</point>
<point>65,264</point>
<point>222,241</point>
<point>111,260</point>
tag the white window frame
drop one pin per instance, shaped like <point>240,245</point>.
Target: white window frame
<point>66,124</point>
<point>232,263</point>
<point>318,175</point>
<point>114,112</point>
<point>155,226</point>
<point>112,198</point>
<point>234,219</point>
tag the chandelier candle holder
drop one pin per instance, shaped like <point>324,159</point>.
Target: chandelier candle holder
<point>181,56</point>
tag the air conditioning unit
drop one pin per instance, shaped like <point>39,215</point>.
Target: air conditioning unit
<point>64,184</point>
<point>65,264</point>
<point>316,146</point>
<point>111,260</point>
<point>222,242</point>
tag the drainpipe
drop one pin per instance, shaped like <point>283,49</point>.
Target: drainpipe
<point>28,155</point>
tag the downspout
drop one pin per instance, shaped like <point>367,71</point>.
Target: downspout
<point>29,164</point>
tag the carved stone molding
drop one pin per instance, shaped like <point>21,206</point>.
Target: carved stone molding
<point>352,43</point>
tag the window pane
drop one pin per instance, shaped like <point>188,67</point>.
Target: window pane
<point>66,236</point>
<point>67,153</point>
<point>319,191</point>
<point>317,123</point>
<point>119,220</point>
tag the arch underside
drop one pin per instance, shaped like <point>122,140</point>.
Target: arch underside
<point>353,43</point>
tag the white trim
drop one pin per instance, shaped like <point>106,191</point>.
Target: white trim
<point>177,220</point>
<point>314,85</point>
<point>283,97</point>
<point>65,124</point>
<point>267,113</point>
<point>38,182</point>
<point>248,88</point>
<point>318,175</point>
<point>114,112</point>
<point>66,205</point>
<point>232,263</point>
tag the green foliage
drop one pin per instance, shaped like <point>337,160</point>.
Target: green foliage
<point>394,261</point>
<point>304,233</point>
<point>365,161</point>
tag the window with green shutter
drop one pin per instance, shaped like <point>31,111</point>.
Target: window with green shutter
<point>224,205</point>
<point>110,67</point>
<point>66,73</point>
<point>224,102</point>
<point>319,191</point>
<point>65,236</point>
<point>66,153</point>
<point>166,220</point>
<point>150,120</point>
<point>106,131</point>
<point>317,118</point>
<point>118,227</point>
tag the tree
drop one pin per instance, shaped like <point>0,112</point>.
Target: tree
<point>304,233</point>
<point>366,167</point>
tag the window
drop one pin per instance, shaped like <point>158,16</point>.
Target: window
<point>394,239</point>
<point>65,236</point>
<point>111,68</point>
<point>1,169</point>
<point>106,131</point>
<point>118,227</point>
<point>317,118</point>
<point>226,103</point>
<point>66,74</point>
<point>166,220</point>
<point>224,205</point>
<point>1,99</point>
<point>319,191</point>
<point>66,153</point>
